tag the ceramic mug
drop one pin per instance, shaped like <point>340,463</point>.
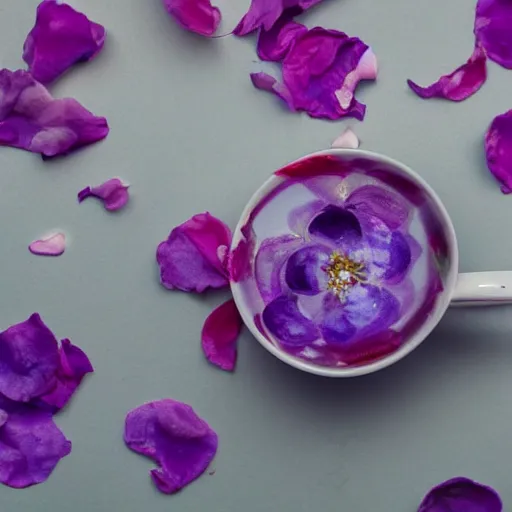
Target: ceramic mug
<point>466,289</point>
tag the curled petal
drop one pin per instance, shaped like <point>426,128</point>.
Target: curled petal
<point>461,495</point>
<point>220,332</point>
<point>305,270</point>
<point>189,258</point>
<point>113,193</point>
<point>498,150</point>
<point>32,120</point>
<point>348,139</point>
<point>198,16</point>
<point>275,43</point>
<point>179,441</point>
<point>60,38</point>
<point>336,224</point>
<point>461,83</point>
<point>52,245</point>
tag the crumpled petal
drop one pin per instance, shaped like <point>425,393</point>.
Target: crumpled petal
<point>498,150</point>
<point>31,445</point>
<point>348,140</point>
<point>198,16</point>
<point>461,83</point>
<point>304,272</point>
<point>113,193</point>
<point>60,38</point>
<point>189,259</point>
<point>461,495</point>
<point>492,29</point>
<point>52,245</point>
<point>179,441</point>
<point>31,119</point>
<point>220,332</point>
<point>275,43</point>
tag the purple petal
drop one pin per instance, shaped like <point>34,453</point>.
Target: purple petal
<point>29,359</point>
<point>52,245</point>
<point>348,139</point>
<point>275,43</point>
<point>300,217</point>
<point>492,29</point>
<point>378,202</point>
<point>220,332</point>
<point>400,258</point>
<point>304,272</point>
<point>198,16</point>
<point>31,119</point>
<point>461,83</point>
<point>113,193</point>
<point>189,258</point>
<point>268,83</point>
<point>74,365</point>
<point>284,321</point>
<point>239,264</point>
<point>179,441</point>
<point>337,225</point>
<point>498,150</point>
<point>60,38</point>
<point>461,495</point>
<point>31,445</point>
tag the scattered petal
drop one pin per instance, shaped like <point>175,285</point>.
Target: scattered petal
<point>113,193</point>
<point>198,16</point>
<point>31,445</point>
<point>275,43</point>
<point>32,120</point>
<point>498,150</point>
<point>268,83</point>
<point>220,332</point>
<point>60,38</point>
<point>239,261</point>
<point>171,433</point>
<point>461,83</point>
<point>348,140</point>
<point>189,258</point>
<point>52,245</point>
<point>461,495</point>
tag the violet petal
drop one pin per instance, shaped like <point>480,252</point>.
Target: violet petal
<point>113,193</point>
<point>52,245</point>
<point>498,150</point>
<point>31,445</point>
<point>198,16</point>
<point>189,258</point>
<point>461,495</point>
<point>60,38</point>
<point>459,85</point>
<point>275,43</point>
<point>336,224</point>
<point>268,83</point>
<point>179,441</point>
<point>400,258</point>
<point>32,120</point>
<point>29,359</point>
<point>347,140</point>
<point>220,332</point>
<point>304,272</point>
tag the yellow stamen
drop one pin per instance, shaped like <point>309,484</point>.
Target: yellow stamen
<point>343,273</point>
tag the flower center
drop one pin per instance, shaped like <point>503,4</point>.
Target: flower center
<point>343,273</point>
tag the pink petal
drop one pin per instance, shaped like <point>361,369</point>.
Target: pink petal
<point>198,16</point>
<point>31,119</point>
<point>113,193</point>
<point>498,150</point>
<point>348,139</point>
<point>462,83</point>
<point>220,332</point>
<point>193,259</point>
<point>60,38</point>
<point>175,437</point>
<point>52,245</point>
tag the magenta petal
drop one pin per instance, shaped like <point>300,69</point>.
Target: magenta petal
<point>29,359</point>
<point>268,83</point>
<point>189,259</point>
<point>60,38</point>
<point>220,332</point>
<point>274,44</point>
<point>198,16</point>
<point>179,441</point>
<point>461,495</point>
<point>31,445</point>
<point>498,150</point>
<point>113,193</point>
<point>31,119</point>
<point>53,245</point>
<point>461,83</point>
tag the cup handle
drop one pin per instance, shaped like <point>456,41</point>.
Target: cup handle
<point>483,289</point>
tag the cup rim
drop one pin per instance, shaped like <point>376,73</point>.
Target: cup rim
<point>417,338</point>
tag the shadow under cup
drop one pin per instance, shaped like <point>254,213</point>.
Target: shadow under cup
<point>343,262</point>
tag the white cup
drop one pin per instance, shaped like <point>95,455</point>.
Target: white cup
<point>467,289</point>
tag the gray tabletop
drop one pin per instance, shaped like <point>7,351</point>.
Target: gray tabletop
<point>190,133</point>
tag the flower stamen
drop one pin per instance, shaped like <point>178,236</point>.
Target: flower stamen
<point>343,274</point>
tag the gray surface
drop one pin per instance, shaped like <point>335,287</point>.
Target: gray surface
<point>190,133</point>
